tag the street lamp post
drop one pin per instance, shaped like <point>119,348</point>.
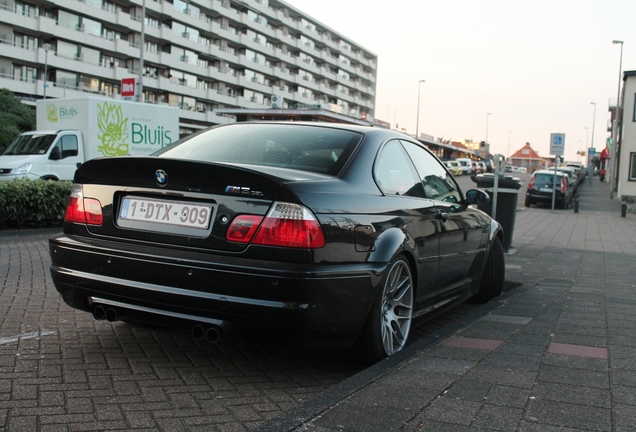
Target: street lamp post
<point>587,140</point>
<point>487,115</point>
<point>593,122</point>
<point>589,157</point>
<point>417,123</point>
<point>613,149</point>
<point>142,48</point>
<point>509,132</point>
<point>46,47</point>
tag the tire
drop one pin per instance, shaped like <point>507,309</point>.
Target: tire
<point>492,280</point>
<point>389,322</point>
<point>528,203</point>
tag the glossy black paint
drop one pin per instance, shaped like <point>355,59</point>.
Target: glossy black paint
<point>324,293</point>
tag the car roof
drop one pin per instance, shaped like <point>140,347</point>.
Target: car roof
<point>549,172</point>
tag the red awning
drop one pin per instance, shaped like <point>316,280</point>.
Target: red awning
<point>604,154</point>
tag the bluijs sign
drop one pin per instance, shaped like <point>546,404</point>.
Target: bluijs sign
<point>116,135</point>
<point>55,113</point>
<point>112,127</point>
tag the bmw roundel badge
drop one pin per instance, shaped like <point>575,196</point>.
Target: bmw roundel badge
<point>162,177</point>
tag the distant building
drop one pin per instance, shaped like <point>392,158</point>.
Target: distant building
<point>626,150</point>
<point>206,57</point>
<point>527,157</point>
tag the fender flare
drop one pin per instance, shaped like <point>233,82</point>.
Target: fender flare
<point>388,244</point>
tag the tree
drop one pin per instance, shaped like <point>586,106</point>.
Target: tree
<point>15,118</point>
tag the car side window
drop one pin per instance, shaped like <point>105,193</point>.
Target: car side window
<point>437,182</point>
<point>69,146</point>
<point>395,172</point>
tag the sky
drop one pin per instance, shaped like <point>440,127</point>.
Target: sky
<point>536,66</point>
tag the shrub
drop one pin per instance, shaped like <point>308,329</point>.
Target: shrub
<point>33,202</point>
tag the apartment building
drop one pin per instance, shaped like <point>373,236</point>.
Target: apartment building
<point>211,58</point>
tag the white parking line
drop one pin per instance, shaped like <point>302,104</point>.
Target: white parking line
<point>31,335</point>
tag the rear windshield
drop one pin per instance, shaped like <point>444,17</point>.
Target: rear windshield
<point>545,178</point>
<point>308,148</point>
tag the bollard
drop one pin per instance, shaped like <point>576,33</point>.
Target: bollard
<point>623,208</point>
<point>576,203</point>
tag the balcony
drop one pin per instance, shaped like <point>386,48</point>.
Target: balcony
<point>224,32</point>
<point>126,48</point>
<point>223,76</point>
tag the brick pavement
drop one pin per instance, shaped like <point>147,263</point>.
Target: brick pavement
<point>60,370</point>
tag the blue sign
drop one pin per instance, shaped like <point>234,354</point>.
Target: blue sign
<point>557,144</point>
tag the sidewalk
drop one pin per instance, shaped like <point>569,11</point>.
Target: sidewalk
<point>557,353</point>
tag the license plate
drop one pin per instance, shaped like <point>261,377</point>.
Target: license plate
<point>549,190</point>
<point>173,213</point>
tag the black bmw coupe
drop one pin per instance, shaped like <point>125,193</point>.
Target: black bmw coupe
<point>321,231</point>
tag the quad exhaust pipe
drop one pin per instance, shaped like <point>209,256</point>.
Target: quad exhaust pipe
<point>212,333</point>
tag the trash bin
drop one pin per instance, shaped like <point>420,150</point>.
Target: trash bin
<point>507,197</point>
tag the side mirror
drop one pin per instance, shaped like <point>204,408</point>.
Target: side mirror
<point>56,153</point>
<point>477,196</point>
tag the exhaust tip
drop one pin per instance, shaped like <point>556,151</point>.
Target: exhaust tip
<point>198,332</point>
<point>99,313</point>
<point>213,335</point>
<point>111,315</point>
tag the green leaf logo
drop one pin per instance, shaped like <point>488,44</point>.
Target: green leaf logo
<point>114,130</point>
<point>51,113</point>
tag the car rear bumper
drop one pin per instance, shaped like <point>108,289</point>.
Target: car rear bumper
<point>538,197</point>
<point>179,290</point>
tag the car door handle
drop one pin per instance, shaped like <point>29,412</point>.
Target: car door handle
<point>443,216</point>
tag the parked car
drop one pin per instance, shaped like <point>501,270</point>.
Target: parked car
<point>481,167</point>
<point>574,175</point>
<point>466,164</point>
<point>541,187</point>
<point>319,231</point>
<point>454,167</point>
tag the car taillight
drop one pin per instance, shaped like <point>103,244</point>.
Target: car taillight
<point>286,224</point>
<point>243,228</point>
<point>563,185</point>
<point>530,182</point>
<point>83,210</point>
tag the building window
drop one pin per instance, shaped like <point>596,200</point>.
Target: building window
<point>632,167</point>
<point>25,9</point>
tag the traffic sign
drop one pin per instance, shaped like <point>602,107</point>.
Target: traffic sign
<point>557,144</point>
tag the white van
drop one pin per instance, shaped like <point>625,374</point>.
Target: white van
<point>72,131</point>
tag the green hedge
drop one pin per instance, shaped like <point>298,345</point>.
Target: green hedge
<point>26,202</point>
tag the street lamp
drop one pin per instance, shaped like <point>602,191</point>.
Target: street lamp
<point>593,122</point>
<point>509,132</point>
<point>613,149</point>
<point>142,48</point>
<point>417,123</point>
<point>46,47</point>
<point>487,115</point>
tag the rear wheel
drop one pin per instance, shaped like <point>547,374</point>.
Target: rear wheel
<point>528,203</point>
<point>493,278</point>
<point>389,322</point>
